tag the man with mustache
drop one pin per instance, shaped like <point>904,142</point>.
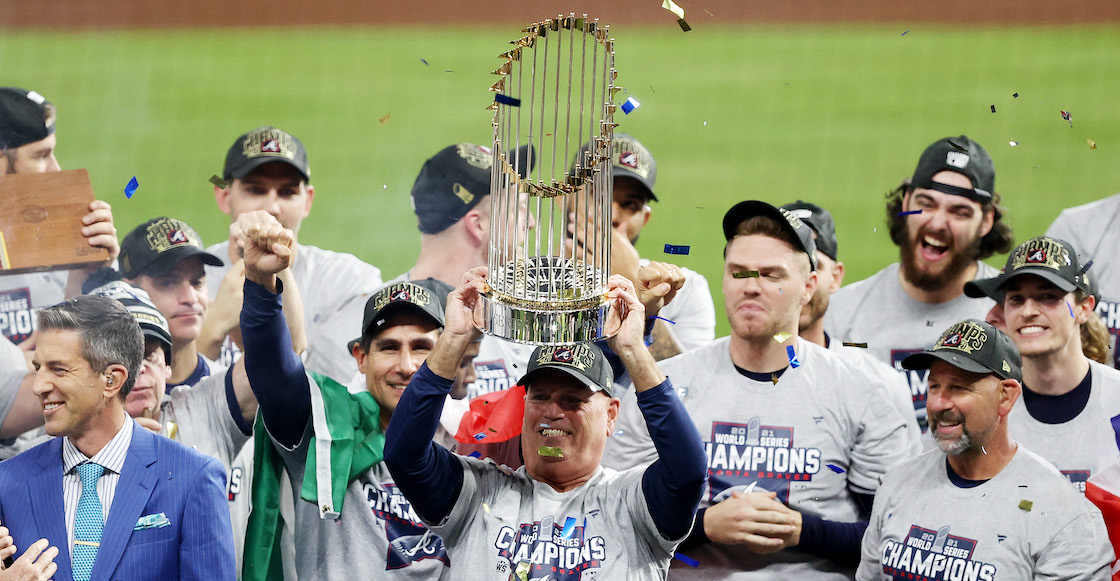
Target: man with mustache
<point>944,219</point>
<point>981,506</point>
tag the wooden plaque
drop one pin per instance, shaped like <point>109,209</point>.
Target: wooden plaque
<point>41,222</point>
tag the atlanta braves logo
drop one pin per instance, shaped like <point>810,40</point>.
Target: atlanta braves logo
<point>270,146</point>
<point>1037,257</point>
<point>176,236</point>
<point>953,340</point>
<point>562,355</point>
<point>400,295</point>
<point>628,159</point>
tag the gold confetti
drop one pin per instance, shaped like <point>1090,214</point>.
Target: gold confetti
<point>217,181</point>
<point>486,507</point>
<point>745,274</point>
<point>385,119</point>
<point>684,25</point>
<point>522,571</point>
<point>552,451</point>
<point>1092,144</point>
<point>781,337</point>
<point>774,378</point>
<point>860,345</point>
<point>1026,505</point>
<point>672,7</point>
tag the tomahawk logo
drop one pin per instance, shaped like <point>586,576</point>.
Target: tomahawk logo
<point>409,539</point>
<point>400,295</point>
<point>934,556</point>
<point>743,454</point>
<point>628,159</point>
<point>176,236</point>
<point>270,146</point>
<point>1037,257</point>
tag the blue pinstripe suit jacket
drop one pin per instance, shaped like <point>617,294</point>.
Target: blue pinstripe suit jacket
<point>159,476</point>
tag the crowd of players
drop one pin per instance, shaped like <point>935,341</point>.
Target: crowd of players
<point>937,420</point>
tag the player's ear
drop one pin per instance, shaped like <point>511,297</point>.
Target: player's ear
<point>221,196</point>
<point>837,277</point>
<point>612,415</point>
<point>989,220</point>
<point>310,199</point>
<point>1010,390</point>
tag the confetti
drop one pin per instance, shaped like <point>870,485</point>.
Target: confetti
<point>569,528</point>
<point>674,249</point>
<point>1070,309</point>
<point>476,454</point>
<point>522,571</point>
<point>1092,144</point>
<point>217,181</point>
<point>774,378</point>
<point>835,468</point>
<point>666,320</point>
<point>620,432</point>
<point>1026,505</point>
<point>993,108</point>
<point>1085,268</point>
<point>506,100</point>
<point>793,362</point>
<point>684,25</point>
<point>1014,95</point>
<point>1067,117</point>
<point>708,12</point>
<point>425,62</point>
<point>552,451</point>
<point>630,105</point>
<point>131,187</point>
<point>1013,143</point>
<point>747,274</point>
<point>672,7</point>
<point>385,119</point>
<point>904,33</point>
<point>781,337</point>
<point>686,560</point>
<point>860,345</point>
<point>910,213</point>
<point>486,507</point>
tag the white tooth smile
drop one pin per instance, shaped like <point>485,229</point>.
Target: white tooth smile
<point>51,406</point>
<point>934,243</point>
<point>552,432</point>
<point>1031,330</point>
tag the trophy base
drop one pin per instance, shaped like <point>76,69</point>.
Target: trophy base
<point>540,327</point>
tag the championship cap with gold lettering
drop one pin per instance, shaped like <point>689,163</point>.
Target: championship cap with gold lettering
<point>265,145</point>
<point>424,297</point>
<point>1049,258</point>
<point>974,346</point>
<point>583,361</point>
<point>160,244</point>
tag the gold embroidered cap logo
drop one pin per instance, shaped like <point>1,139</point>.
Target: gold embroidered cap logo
<point>578,356</point>
<point>1006,367</point>
<point>462,193</point>
<point>476,155</point>
<point>271,142</point>
<point>626,152</point>
<point>792,218</point>
<point>167,233</point>
<point>402,292</point>
<point>965,336</point>
<point>1041,251</point>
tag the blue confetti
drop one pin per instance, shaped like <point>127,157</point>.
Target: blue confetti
<point>425,62</point>
<point>686,560</point>
<point>131,188</point>
<point>910,212</point>
<point>835,468</point>
<point>793,362</point>
<point>569,528</point>
<point>1086,267</point>
<point>666,320</point>
<point>630,105</point>
<point>675,249</point>
<point>477,454</point>
<point>904,33</point>
<point>1070,309</point>
<point>507,100</point>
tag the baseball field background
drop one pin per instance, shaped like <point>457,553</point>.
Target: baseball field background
<point>832,111</point>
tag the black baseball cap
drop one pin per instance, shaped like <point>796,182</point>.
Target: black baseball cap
<point>265,145</point>
<point>156,246</point>
<point>139,304</point>
<point>744,211</point>
<point>974,346</point>
<point>583,361</point>
<point>961,155</point>
<point>630,159</point>
<point>1048,258</point>
<point>456,179</point>
<point>425,297</point>
<point>25,117</point>
<point>820,220</point>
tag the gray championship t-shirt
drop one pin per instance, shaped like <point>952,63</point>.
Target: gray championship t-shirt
<point>1084,445</point>
<point>1092,230</point>
<point>876,311</point>
<point>819,433</point>
<point>505,525</point>
<point>334,287</point>
<point>1026,523</point>
<point>23,294</point>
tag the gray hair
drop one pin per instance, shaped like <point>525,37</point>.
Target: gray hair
<point>109,333</point>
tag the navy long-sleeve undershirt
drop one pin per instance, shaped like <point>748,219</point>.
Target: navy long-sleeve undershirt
<point>432,478</point>
<point>275,372</point>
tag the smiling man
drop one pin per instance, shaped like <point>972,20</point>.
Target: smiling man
<point>981,506</point>
<point>1047,302</point>
<point>944,219</point>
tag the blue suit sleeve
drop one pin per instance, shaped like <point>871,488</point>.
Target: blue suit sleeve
<point>206,550</point>
<point>674,483</point>
<point>428,475</point>
<point>275,372</point>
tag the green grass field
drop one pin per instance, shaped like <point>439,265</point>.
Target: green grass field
<point>828,113</point>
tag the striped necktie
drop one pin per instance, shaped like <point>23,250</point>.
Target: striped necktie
<point>88,522</point>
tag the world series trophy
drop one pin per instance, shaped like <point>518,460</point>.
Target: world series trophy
<point>550,239</point>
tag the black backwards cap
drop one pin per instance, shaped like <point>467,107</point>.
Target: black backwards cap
<point>960,155</point>
<point>455,179</point>
<point>820,220</point>
<point>25,117</point>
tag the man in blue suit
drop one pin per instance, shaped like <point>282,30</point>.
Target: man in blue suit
<point>119,502</point>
